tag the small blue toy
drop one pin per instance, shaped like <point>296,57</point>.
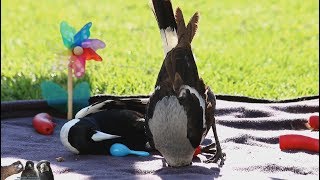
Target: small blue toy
<point>120,150</point>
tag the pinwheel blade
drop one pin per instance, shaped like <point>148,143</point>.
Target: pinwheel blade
<point>82,35</point>
<point>67,33</point>
<point>78,64</point>
<point>90,54</point>
<point>55,95</point>
<point>81,95</point>
<point>94,44</point>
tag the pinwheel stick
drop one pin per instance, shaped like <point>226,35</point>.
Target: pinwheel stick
<point>82,49</point>
<point>70,95</point>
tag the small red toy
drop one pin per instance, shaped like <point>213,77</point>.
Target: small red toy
<point>298,142</point>
<point>43,123</point>
<point>314,122</point>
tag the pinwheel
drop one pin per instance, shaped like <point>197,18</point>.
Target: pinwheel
<point>82,49</point>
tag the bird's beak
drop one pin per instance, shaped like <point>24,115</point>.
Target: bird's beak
<point>100,136</point>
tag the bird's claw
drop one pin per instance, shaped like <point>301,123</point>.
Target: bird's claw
<point>208,148</point>
<point>218,156</point>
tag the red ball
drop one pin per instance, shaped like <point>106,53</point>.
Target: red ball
<point>314,122</point>
<point>43,123</point>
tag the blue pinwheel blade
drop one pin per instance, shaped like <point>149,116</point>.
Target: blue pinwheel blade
<point>82,35</point>
<point>81,95</point>
<point>67,33</point>
<point>55,95</point>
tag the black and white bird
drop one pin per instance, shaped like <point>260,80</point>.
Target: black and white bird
<point>97,127</point>
<point>44,170</point>
<point>29,172</point>
<point>181,109</point>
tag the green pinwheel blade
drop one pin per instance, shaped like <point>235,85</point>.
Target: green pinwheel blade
<point>81,95</point>
<point>55,95</point>
<point>67,33</point>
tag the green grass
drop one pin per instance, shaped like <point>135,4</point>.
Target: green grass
<point>264,49</point>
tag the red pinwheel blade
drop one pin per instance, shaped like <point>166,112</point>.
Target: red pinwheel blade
<point>78,64</point>
<point>89,54</point>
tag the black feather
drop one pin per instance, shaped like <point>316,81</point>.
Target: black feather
<point>164,14</point>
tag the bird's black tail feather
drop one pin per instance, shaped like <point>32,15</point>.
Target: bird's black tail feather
<point>163,12</point>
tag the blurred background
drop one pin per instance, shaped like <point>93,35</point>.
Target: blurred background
<point>265,49</point>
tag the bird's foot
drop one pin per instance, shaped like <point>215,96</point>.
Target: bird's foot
<point>219,155</point>
<point>210,149</point>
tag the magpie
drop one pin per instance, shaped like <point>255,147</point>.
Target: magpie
<point>181,109</point>
<point>97,127</point>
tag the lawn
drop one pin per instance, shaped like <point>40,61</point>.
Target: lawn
<point>264,49</point>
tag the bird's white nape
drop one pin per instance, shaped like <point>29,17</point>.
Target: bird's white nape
<point>100,136</point>
<point>183,88</point>
<point>64,132</point>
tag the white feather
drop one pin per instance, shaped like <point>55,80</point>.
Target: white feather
<point>64,132</point>
<point>91,109</point>
<point>157,88</point>
<point>100,136</point>
<point>169,39</point>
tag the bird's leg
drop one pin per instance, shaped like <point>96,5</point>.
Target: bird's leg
<point>219,155</point>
